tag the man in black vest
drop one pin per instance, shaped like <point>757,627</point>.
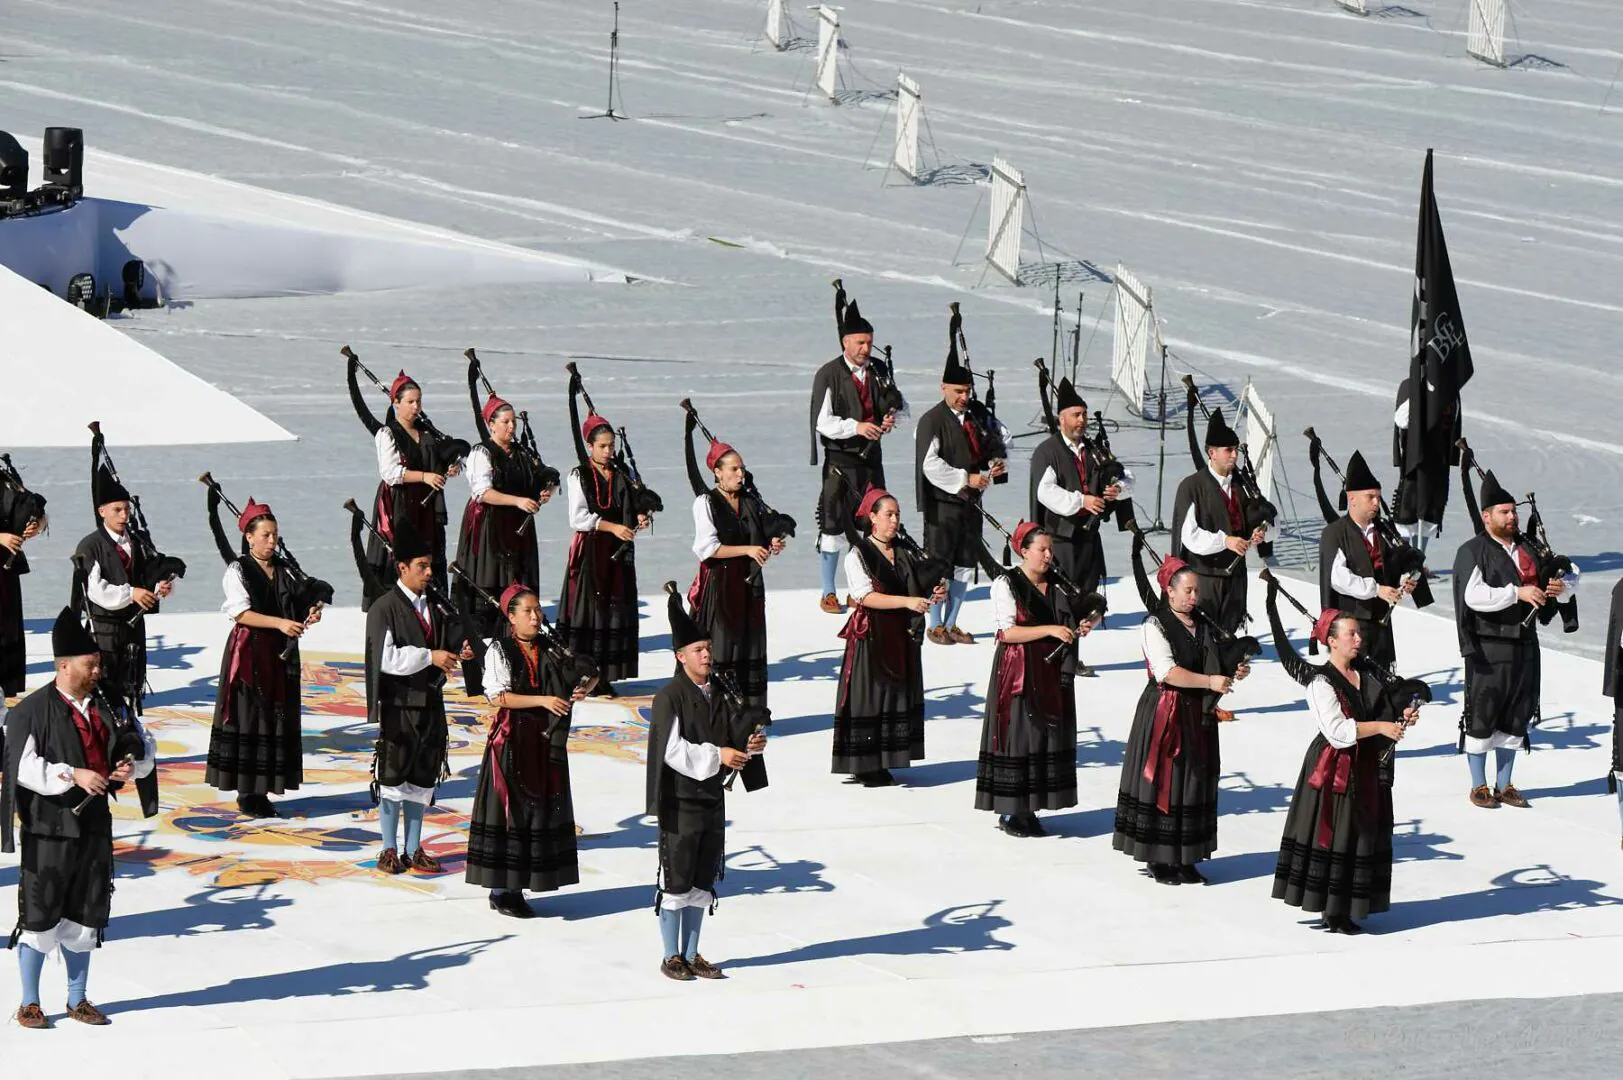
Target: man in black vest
<point>1496,594</point>
<point>1355,572</point>
<point>845,420</point>
<point>693,741</point>
<point>951,472</point>
<point>1422,493</point>
<point>64,756</point>
<point>1069,499</point>
<point>1208,527</point>
<point>108,566</point>
<point>1609,686</point>
<point>408,655</point>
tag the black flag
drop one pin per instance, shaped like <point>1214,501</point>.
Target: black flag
<point>1439,355</point>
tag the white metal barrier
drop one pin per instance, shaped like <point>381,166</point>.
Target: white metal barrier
<point>909,102</point>
<point>1130,348</point>
<point>774,24</point>
<point>1261,439</point>
<point>828,49</point>
<point>1485,31</point>
<point>1007,220</point>
<point>1357,7</point>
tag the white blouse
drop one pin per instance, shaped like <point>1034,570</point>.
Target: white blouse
<point>391,466</point>
<point>581,518</point>
<point>1157,649</point>
<point>478,470</point>
<point>1339,729</point>
<point>1004,609</point>
<point>236,592</point>
<point>857,582</point>
<point>705,538</point>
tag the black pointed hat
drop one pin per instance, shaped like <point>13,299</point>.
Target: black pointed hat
<point>1218,434</point>
<point>70,638</point>
<point>1359,476</point>
<point>684,631</point>
<point>853,322</point>
<point>1067,397</point>
<point>1493,493</point>
<point>955,373</point>
<point>105,488</point>
<point>407,544</point>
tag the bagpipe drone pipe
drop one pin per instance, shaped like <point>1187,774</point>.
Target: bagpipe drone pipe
<point>645,501</point>
<point>777,526</point>
<point>1551,564</point>
<point>983,414</point>
<point>1398,693</point>
<point>1232,649</point>
<point>157,568</point>
<point>310,593</point>
<point>1403,558</point>
<point>1259,512</point>
<point>887,397</point>
<point>20,509</point>
<point>536,476</point>
<point>444,451</point>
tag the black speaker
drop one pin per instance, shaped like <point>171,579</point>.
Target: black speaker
<point>13,168</point>
<point>65,160</point>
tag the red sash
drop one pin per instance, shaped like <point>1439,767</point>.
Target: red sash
<point>1166,743</point>
<point>93,736</point>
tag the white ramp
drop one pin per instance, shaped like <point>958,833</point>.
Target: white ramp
<point>63,368</point>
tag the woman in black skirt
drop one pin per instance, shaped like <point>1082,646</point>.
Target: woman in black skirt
<point>522,833</point>
<point>728,597</point>
<point>879,715</point>
<point>255,747</point>
<point>1166,808</point>
<point>414,460</point>
<point>597,610</point>
<point>1336,854</point>
<point>1028,739</point>
<point>496,545</point>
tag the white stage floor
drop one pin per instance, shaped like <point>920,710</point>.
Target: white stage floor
<point>847,915</point>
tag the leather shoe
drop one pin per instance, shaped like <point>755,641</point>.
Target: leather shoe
<point>86,1013</point>
<point>938,635</point>
<point>879,778</point>
<point>1164,874</point>
<point>830,604</point>
<point>389,862</point>
<point>512,905</point>
<point>1014,825</point>
<point>1223,716</point>
<point>424,863</point>
<point>1190,876</point>
<point>1481,796</point>
<point>703,968</point>
<point>32,1017</point>
<point>1511,797</point>
<point>1083,671</point>
<point>674,967</point>
<point>960,637</point>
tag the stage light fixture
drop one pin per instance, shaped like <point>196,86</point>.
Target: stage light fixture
<point>13,168</point>
<point>82,291</point>
<point>135,276</point>
<point>65,160</point>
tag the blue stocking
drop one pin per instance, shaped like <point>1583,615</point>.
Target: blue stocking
<point>30,962</point>
<point>670,930</point>
<point>389,822</point>
<point>1504,761</point>
<point>414,827</point>
<point>1479,769</point>
<point>692,917</point>
<point>955,600</point>
<point>78,964</point>
<point>828,561</point>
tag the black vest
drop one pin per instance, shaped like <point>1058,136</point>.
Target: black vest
<point>1202,491</point>
<point>835,376</point>
<point>670,795</point>
<point>609,499</point>
<point>1484,553</point>
<point>46,717</point>
<point>1344,536</point>
<point>1055,454</point>
<point>392,612</point>
<point>100,549</point>
<point>940,426</point>
<point>275,597</point>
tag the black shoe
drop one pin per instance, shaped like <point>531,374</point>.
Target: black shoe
<point>246,807</point>
<point>880,778</point>
<point>266,807</point>
<point>1190,876</point>
<point>1164,874</point>
<point>1013,824</point>
<point>513,905</point>
<point>1344,925</point>
<point>1083,671</point>
<point>606,689</point>
<point>1034,827</point>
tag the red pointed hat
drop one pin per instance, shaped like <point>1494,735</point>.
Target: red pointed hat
<point>1169,567</point>
<point>718,450</point>
<point>513,592</point>
<point>1321,628</point>
<point>398,387</point>
<point>493,405</point>
<point>1022,533</point>
<point>870,499</point>
<point>251,511</point>
<point>591,424</point>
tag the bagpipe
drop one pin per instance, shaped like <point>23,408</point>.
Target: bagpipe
<point>537,477</point>
<point>157,568</point>
<point>358,522</point>
<point>1551,564</point>
<point>1398,693</point>
<point>442,452</point>
<point>1045,388</point>
<point>777,526</point>
<point>309,594</point>
<point>757,717</point>
<point>1088,607</point>
<point>579,671</point>
<point>20,509</point>
<point>1232,649</point>
<point>1259,512</point>
<point>1402,558</point>
<point>645,501</point>
<point>887,398</point>
<point>928,572</point>
<point>125,747</point>
<point>1111,469</point>
<point>983,414</point>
